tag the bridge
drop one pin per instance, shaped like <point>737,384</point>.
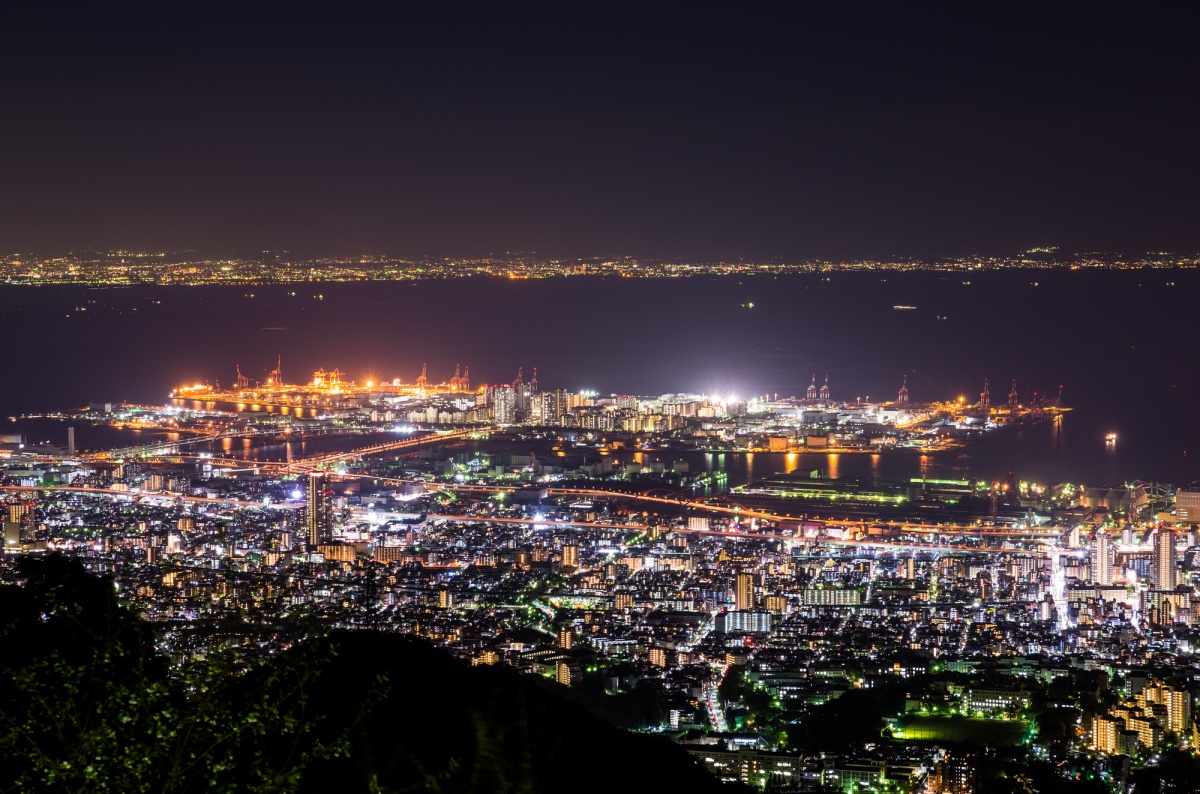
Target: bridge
<point>303,464</point>
<point>390,446</point>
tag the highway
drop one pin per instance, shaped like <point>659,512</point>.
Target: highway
<point>390,446</point>
<point>313,462</point>
<point>882,544</point>
<point>1048,533</point>
<point>138,495</point>
<point>201,500</point>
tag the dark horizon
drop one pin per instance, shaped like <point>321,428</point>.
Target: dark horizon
<point>680,130</point>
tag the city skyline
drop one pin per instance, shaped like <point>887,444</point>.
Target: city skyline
<point>171,269</point>
<point>674,397</point>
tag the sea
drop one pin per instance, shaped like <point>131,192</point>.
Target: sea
<point>1117,346</point>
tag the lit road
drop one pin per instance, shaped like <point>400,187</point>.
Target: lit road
<point>378,515</point>
<point>366,514</point>
<point>1058,589</point>
<point>139,496</point>
<point>1048,533</point>
<point>714,701</point>
<point>304,464</point>
<point>390,446</point>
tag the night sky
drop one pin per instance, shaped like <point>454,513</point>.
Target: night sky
<point>687,130</point>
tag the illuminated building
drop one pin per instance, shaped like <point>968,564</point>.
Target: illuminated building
<point>1102,559</point>
<point>1187,506</point>
<point>336,552</point>
<point>503,400</point>
<point>1176,703</point>
<point>750,767</point>
<point>318,517</point>
<point>570,556</point>
<point>566,639</point>
<point>566,673</point>
<point>1163,575</point>
<point>744,593</point>
<point>12,536</point>
<point>21,513</point>
<point>1166,607</point>
<point>748,621</point>
<point>1105,734</point>
<point>831,596</point>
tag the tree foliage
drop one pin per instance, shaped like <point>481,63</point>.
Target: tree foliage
<point>88,704</point>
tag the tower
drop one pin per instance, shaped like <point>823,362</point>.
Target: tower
<point>533,385</point>
<point>318,517</point>
<point>1102,559</point>
<point>985,396</point>
<point>825,388</point>
<point>811,394</point>
<point>464,383</point>
<point>743,596</point>
<point>1163,575</point>
<point>902,397</point>
<point>242,381</point>
<point>422,379</point>
<point>1012,395</point>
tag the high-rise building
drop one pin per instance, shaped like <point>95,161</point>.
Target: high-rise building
<point>1163,575</point>
<point>504,404</point>
<point>318,517</point>
<point>12,536</point>
<point>566,673</point>
<point>1102,559</point>
<point>1177,704</point>
<point>570,556</point>
<point>744,594</point>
